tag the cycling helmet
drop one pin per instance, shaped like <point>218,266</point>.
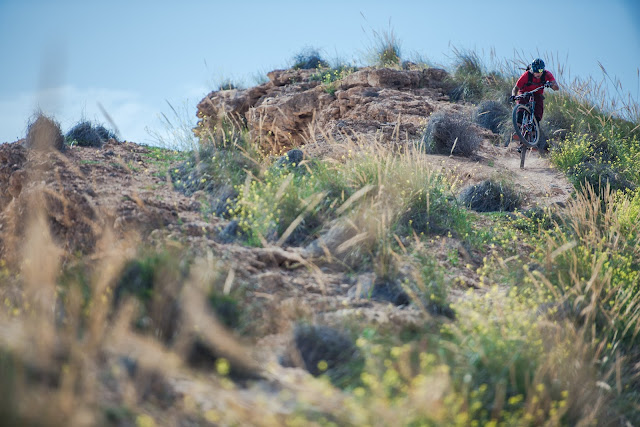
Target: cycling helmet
<point>537,66</point>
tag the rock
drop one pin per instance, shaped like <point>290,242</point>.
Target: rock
<point>283,122</point>
<point>328,244</point>
<point>197,228</point>
<point>236,102</point>
<point>382,78</point>
<point>395,79</point>
<point>289,77</point>
<point>294,108</point>
<point>362,288</point>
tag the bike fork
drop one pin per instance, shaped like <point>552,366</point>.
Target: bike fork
<point>523,153</point>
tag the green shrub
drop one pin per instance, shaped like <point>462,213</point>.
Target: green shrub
<point>431,289</point>
<point>599,175</point>
<point>137,278</point>
<point>534,219</point>
<point>330,76</point>
<point>309,58</point>
<point>211,170</point>
<point>154,278</point>
<point>281,202</point>
<point>467,79</point>
<point>607,158</point>
<point>385,50</point>
<point>557,121</point>
<point>495,352</point>
<point>218,166</point>
<point>432,209</point>
<point>598,269</point>
<point>11,372</point>
<point>571,152</point>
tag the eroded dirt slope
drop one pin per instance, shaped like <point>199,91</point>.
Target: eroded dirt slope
<point>121,187</point>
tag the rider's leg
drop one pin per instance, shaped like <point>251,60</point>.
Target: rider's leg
<point>538,113</point>
<point>539,110</point>
<point>520,112</point>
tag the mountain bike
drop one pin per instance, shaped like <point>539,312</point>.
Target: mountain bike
<point>525,123</point>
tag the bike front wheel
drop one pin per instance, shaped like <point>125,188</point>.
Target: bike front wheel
<point>526,125</point>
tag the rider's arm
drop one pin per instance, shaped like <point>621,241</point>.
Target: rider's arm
<point>552,81</point>
<point>519,86</point>
<point>515,90</point>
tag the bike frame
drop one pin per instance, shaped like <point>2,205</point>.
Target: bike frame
<point>528,124</point>
<point>531,104</point>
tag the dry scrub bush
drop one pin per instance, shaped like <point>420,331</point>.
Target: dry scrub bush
<point>86,134</point>
<point>493,115</point>
<point>491,196</point>
<point>43,133</point>
<point>451,134</point>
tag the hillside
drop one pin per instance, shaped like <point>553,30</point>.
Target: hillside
<point>131,297</point>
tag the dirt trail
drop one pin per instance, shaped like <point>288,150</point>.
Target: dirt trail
<point>540,183</point>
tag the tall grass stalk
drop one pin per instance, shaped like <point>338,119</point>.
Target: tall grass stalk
<point>177,129</point>
<point>384,49</point>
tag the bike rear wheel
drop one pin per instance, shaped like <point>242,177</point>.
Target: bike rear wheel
<point>526,125</point>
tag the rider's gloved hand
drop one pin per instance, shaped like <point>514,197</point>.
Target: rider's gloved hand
<point>547,84</point>
<point>512,98</point>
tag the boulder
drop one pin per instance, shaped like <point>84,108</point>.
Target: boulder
<point>234,101</point>
<point>283,122</point>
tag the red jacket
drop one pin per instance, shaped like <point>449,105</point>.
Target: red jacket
<point>523,81</point>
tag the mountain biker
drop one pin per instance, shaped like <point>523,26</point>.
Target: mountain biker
<point>534,77</point>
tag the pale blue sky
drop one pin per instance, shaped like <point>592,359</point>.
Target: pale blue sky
<point>133,56</point>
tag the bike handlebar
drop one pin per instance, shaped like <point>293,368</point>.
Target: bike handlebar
<point>527,94</point>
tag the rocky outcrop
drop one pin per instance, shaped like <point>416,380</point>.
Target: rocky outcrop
<point>395,79</point>
<point>295,107</point>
